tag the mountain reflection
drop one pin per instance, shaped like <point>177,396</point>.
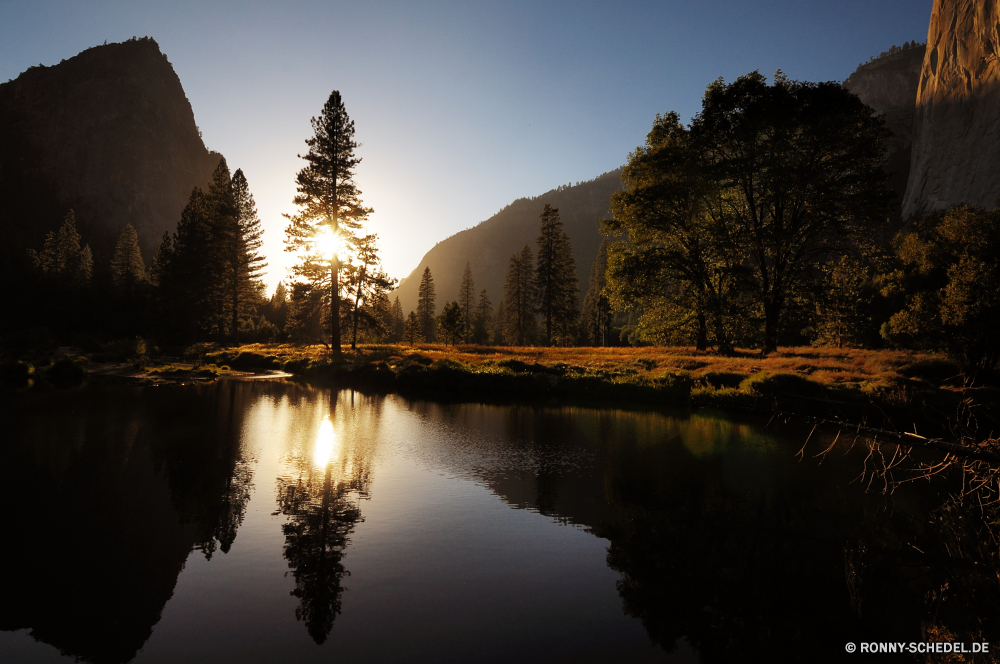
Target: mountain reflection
<point>106,491</point>
<point>320,496</point>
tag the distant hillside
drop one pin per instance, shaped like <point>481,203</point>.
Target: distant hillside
<point>109,133</point>
<point>489,245</point>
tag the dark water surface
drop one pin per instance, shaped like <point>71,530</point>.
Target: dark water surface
<point>274,522</point>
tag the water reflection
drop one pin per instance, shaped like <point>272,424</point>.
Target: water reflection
<point>725,548</point>
<point>321,498</point>
<point>106,492</point>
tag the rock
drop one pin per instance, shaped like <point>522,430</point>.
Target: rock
<point>889,85</point>
<point>956,131</point>
<point>108,133</point>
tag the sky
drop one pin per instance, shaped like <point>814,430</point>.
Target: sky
<point>460,107</point>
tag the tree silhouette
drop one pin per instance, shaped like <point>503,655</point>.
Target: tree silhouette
<point>556,285</point>
<point>425,305</point>
<point>519,298</point>
<point>329,202</point>
<point>467,298</point>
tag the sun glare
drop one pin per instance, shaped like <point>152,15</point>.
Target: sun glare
<point>328,244</point>
<point>326,442</point>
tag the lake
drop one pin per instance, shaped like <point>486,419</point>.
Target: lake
<point>271,521</point>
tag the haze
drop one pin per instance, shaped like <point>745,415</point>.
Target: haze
<point>460,107</point>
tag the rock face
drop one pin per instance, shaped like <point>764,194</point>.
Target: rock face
<point>489,245</point>
<point>889,85</point>
<point>108,133</point>
<point>956,132</point>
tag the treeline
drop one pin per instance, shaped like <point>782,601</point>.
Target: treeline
<point>763,223</point>
<point>203,283</point>
<point>540,303</point>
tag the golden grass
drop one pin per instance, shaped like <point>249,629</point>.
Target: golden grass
<point>870,369</point>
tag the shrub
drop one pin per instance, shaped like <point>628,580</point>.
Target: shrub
<point>779,383</point>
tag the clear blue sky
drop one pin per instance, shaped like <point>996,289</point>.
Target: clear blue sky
<point>461,107</point>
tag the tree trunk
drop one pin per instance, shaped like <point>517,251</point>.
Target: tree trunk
<point>357,302</point>
<point>702,342</point>
<point>772,311</point>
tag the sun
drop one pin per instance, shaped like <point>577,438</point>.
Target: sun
<point>328,244</point>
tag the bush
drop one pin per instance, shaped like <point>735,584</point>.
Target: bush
<point>781,384</point>
<point>722,379</point>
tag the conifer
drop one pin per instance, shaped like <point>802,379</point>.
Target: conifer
<point>242,259</point>
<point>483,322</point>
<point>128,271</point>
<point>411,329</point>
<point>467,299</point>
<point>61,257</point>
<point>555,279</point>
<point>596,308</point>
<point>520,298</point>
<point>329,202</point>
<point>425,305</point>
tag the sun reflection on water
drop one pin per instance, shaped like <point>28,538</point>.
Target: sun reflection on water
<point>326,443</point>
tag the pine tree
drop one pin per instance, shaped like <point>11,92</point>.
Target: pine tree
<point>500,324</point>
<point>61,258</point>
<point>467,299</point>
<point>276,309</point>
<point>451,324</point>
<point>369,286</point>
<point>398,321</point>
<point>520,298</point>
<point>483,320</point>
<point>185,278</point>
<point>329,204</point>
<point>243,262</point>
<point>411,329</point>
<point>425,305</point>
<point>221,211</point>
<point>596,309</point>
<point>555,279</point>
<point>160,260</point>
<point>128,271</point>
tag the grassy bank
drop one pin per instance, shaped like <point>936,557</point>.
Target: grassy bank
<point>897,390</point>
<point>891,389</point>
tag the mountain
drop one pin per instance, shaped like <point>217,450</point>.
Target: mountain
<point>489,245</point>
<point>956,130</point>
<point>889,85</point>
<point>108,133</point>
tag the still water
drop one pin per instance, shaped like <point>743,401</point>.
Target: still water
<point>270,521</point>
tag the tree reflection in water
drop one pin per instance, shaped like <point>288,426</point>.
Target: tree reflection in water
<point>321,500</point>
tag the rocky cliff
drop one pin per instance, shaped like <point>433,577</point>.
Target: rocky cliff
<point>956,131</point>
<point>108,133</point>
<point>889,85</point>
<point>489,245</point>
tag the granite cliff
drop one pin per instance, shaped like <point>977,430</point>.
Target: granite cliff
<point>108,133</point>
<point>956,130</point>
<point>889,85</point>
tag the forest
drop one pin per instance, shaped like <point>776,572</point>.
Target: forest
<point>761,224</point>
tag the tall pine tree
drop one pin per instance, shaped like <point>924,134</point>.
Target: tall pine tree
<point>520,298</point>
<point>425,305</point>
<point>555,280</point>
<point>329,205</point>
<point>467,299</point>
<point>128,271</point>
<point>243,261</point>
<point>596,308</point>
